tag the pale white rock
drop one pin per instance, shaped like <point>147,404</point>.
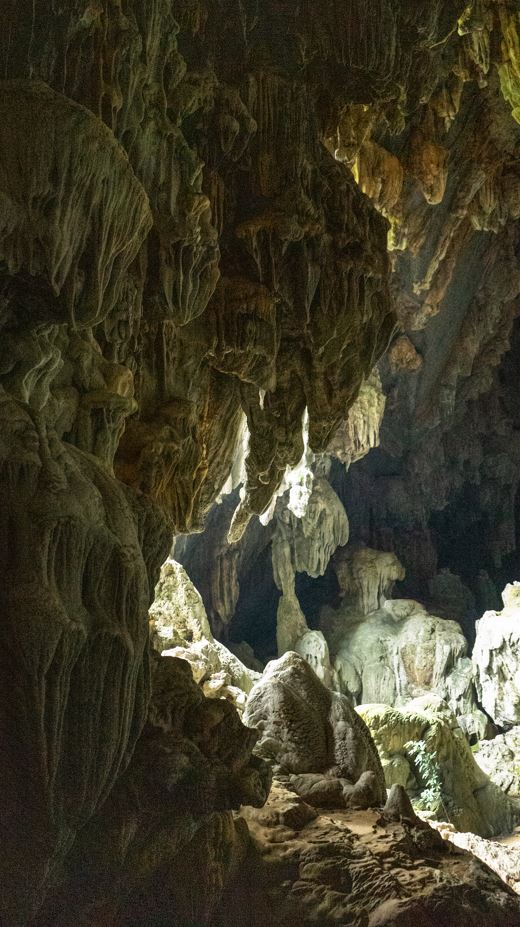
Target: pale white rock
<point>496,656</point>
<point>305,542</point>
<point>313,647</point>
<point>179,627</point>
<point>400,652</point>
<point>502,857</point>
<point>290,624</point>
<point>500,759</point>
<point>177,615</point>
<point>308,531</point>
<point>360,430</point>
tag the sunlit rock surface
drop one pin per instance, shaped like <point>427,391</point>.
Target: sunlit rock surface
<point>390,651</point>
<point>496,656</point>
<point>179,627</point>
<point>449,784</point>
<point>360,430</point>
<point>502,857</point>
<point>500,759</point>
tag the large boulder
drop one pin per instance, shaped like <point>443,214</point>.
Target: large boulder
<point>423,749</point>
<point>314,737</point>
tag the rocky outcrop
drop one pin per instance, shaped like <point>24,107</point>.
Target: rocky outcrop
<point>313,737</point>
<point>179,627</point>
<point>423,749</point>
<point>503,857</point>
<point>401,652</point>
<point>391,651</point>
<point>496,657</point>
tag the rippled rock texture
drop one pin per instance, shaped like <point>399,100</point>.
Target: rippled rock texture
<point>362,869</point>
<point>314,737</point>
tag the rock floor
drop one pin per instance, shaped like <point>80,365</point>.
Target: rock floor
<point>357,869</point>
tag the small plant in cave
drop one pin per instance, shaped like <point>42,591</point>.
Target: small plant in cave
<point>428,773</point>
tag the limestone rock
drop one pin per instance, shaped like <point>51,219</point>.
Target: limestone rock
<point>500,760</point>
<point>177,614</point>
<point>366,576</point>
<point>449,781</point>
<point>401,652</point>
<point>360,430</point>
<point>168,816</point>
<point>448,592</point>
<point>180,248</point>
<point>313,736</point>
<point>398,805</point>
<point>179,627</point>
<point>496,656</point>
<point>309,526</point>
<point>503,857</point>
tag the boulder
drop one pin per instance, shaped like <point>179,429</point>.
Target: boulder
<point>500,760</point>
<point>313,736</point>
